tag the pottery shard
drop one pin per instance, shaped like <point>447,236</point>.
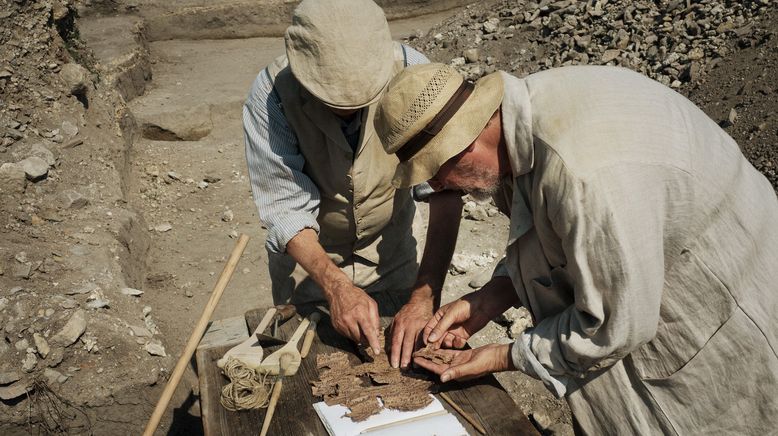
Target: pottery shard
<point>75,327</point>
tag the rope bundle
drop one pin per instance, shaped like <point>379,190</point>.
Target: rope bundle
<point>248,389</point>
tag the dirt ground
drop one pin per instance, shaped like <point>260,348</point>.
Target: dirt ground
<point>109,256</point>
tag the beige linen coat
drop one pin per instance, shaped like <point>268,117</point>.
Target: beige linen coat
<point>646,247</point>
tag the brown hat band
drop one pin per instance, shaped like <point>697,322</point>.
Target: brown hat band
<point>419,140</point>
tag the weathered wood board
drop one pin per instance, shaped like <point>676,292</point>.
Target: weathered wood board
<point>484,399</point>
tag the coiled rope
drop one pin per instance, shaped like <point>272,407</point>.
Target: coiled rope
<point>248,389</point>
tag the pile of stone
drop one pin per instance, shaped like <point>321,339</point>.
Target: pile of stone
<point>671,41</point>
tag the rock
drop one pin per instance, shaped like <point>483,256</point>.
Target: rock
<point>41,345</point>
<point>55,357</point>
<point>155,348</point>
<point>172,175</point>
<point>35,168</point>
<point>164,227</point>
<point>21,345</point>
<point>202,184</point>
<point>75,77</point>
<point>6,378</point>
<point>22,271</point>
<point>474,211</point>
<point>70,199</point>
<point>491,25</point>
<point>68,303</point>
<point>472,55</point>
<point>69,129</point>
<point>3,304</point>
<point>14,391</point>
<point>610,55</point>
<point>457,62</point>
<point>141,332</point>
<point>131,292</point>
<point>98,303</point>
<point>227,216</point>
<point>732,117</point>
<point>13,180</point>
<point>75,327</point>
<point>44,153</point>
<point>481,279</point>
<point>53,376</point>
<point>460,264</point>
<point>84,289</point>
<point>29,362</point>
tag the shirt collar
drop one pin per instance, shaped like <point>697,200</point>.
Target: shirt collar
<point>516,112</point>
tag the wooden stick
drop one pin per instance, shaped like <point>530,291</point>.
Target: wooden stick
<point>197,334</point>
<point>464,414</point>
<point>284,363</point>
<point>314,318</point>
<point>271,408</point>
<point>403,421</point>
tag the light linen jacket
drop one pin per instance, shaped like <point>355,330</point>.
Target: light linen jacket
<point>646,247</point>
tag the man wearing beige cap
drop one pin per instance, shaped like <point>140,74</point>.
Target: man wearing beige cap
<point>337,228</point>
<point>641,240</point>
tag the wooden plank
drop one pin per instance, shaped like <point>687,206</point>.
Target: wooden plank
<point>225,332</point>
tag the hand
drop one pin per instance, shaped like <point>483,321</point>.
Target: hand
<point>406,327</point>
<point>355,315</point>
<point>453,324</point>
<point>471,363</point>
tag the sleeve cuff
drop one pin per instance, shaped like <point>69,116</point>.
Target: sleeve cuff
<point>287,228</point>
<point>525,361</point>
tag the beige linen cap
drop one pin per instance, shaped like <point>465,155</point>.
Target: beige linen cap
<point>429,114</point>
<point>341,51</point>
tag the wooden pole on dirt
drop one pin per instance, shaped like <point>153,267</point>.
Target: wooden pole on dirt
<point>197,334</point>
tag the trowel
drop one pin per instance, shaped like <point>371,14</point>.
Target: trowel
<point>278,315</point>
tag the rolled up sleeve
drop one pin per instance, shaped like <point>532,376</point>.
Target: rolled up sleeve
<point>287,200</point>
<point>610,226</point>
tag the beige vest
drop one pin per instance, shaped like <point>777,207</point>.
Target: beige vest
<point>360,212</point>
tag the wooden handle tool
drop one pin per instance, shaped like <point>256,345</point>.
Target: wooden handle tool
<point>197,334</point>
<point>310,334</point>
<point>285,362</point>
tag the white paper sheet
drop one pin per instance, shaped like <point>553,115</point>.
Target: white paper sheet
<point>338,424</point>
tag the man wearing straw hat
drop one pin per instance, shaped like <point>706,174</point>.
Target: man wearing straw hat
<point>337,228</point>
<point>641,240</point>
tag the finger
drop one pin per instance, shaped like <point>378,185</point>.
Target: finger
<point>431,325</point>
<point>397,341</point>
<point>459,342</point>
<point>370,333</point>
<point>446,320</point>
<point>408,344</point>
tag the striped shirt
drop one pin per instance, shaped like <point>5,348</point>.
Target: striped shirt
<point>286,198</point>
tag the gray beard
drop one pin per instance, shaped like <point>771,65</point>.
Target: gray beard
<point>483,195</point>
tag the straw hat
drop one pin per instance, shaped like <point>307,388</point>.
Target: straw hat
<point>341,51</point>
<point>429,114</point>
